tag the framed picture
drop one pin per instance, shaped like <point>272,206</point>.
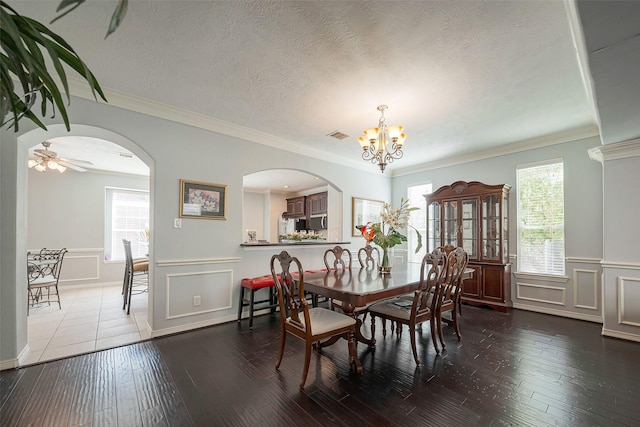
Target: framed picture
<point>364,211</point>
<point>202,200</point>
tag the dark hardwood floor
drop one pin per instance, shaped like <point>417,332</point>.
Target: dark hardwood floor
<point>519,368</point>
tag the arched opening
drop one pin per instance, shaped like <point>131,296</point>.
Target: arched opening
<point>265,195</point>
<point>69,210</point>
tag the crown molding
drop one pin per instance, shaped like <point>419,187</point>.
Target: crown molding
<point>516,147</point>
<point>138,104</point>
<point>619,150</point>
<point>126,101</point>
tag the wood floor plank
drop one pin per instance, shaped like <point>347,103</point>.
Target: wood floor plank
<point>518,368</point>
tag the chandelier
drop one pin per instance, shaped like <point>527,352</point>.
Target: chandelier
<point>382,144</point>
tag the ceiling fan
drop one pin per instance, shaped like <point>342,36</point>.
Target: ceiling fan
<point>46,158</point>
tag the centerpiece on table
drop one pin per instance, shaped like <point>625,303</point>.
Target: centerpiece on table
<point>386,233</point>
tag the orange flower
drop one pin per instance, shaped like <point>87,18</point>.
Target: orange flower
<point>367,231</point>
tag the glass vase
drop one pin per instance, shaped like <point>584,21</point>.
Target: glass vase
<point>387,261</point>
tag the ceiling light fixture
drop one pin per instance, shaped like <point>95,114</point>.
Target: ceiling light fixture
<point>44,158</point>
<point>382,144</point>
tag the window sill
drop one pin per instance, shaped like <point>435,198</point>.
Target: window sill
<point>538,276</point>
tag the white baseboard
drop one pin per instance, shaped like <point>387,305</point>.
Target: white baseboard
<point>15,363</point>
<point>561,313</point>
<point>88,285</point>
<point>622,335</point>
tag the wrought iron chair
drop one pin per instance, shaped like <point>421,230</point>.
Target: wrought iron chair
<point>309,324</point>
<point>43,272</point>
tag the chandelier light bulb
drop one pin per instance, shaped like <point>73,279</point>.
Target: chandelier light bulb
<point>61,168</point>
<point>31,163</point>
<point>52,164</point>
<point>40,167</point>
<point>383,144</point>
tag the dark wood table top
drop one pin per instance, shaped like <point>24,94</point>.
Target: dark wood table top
<point>361,286</point>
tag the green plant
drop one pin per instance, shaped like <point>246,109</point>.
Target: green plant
<point>386,233</point>
<point>25,45</point>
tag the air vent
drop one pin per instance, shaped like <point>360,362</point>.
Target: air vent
<point>125,155</point>
<point>338,135</point>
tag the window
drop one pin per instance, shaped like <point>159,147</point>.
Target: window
<point>126,217</point>
<point>541,218</point>
<point>417,219</point>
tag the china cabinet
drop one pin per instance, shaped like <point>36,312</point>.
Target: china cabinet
<point>475,216</point>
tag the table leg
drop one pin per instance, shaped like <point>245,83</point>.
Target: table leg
<point>353,354</point>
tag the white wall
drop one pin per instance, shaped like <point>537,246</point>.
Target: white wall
<point>579,293</point>
<point>253,213</point>
<point>621,260</point>
<point>203,257</point>
<point>68,210</point>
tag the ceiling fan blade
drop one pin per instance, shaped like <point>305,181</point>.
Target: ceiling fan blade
<point>40,153</point>
<point>47,153</point>
<point>71,166</point>
<point>76,161</point>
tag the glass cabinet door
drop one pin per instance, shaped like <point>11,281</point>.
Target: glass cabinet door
<point>469,227</point>
<point>450,222</point>
<point>433,226</point>
<point>491,228</point>
<point>505,229</point>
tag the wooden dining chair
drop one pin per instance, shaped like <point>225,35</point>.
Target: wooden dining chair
<point>448,249</point>
<point>340,259</point>
<point>457,260</point>
<point>136,275</point>
<point>424,305</point>
<point>309,324</point>
<point>337,258</point>
<point>366,258</point>
<point>43,272</point>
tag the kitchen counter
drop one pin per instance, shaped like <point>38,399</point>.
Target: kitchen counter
<point>291,243</point>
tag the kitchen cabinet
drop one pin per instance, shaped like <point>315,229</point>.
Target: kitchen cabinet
<point>296,207</point>
<point>317,204</point>
<point>474,216</point>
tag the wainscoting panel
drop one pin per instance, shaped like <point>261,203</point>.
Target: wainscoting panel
<point>628,297</point>
<point>214,289</point>
<point>541,293</point>
<point>586,289</point>
<point>77,268</point>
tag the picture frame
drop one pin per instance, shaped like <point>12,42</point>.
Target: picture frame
<point>364,211</point>
<point>202,200</point>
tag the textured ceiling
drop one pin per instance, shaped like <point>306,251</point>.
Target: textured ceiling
<point>461,76</point>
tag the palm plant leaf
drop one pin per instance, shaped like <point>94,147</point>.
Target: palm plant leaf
<point>116,19</point>
<point>23,41</point>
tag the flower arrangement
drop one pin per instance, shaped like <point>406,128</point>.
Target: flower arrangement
<point>386,234</point>
<point>298,237</point>
<point>144,235</point>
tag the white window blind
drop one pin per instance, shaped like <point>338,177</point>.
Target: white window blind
<point>126,217</point>
<point>541,218</point>
<point>417,219</point>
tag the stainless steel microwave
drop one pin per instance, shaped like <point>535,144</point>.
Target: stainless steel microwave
<point>317,223</point>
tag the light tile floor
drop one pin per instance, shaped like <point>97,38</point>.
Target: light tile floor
<point>90,319</point>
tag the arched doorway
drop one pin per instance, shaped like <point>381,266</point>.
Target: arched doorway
<point>73,331</point>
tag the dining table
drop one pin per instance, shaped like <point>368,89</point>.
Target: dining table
<point>359,287</point>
